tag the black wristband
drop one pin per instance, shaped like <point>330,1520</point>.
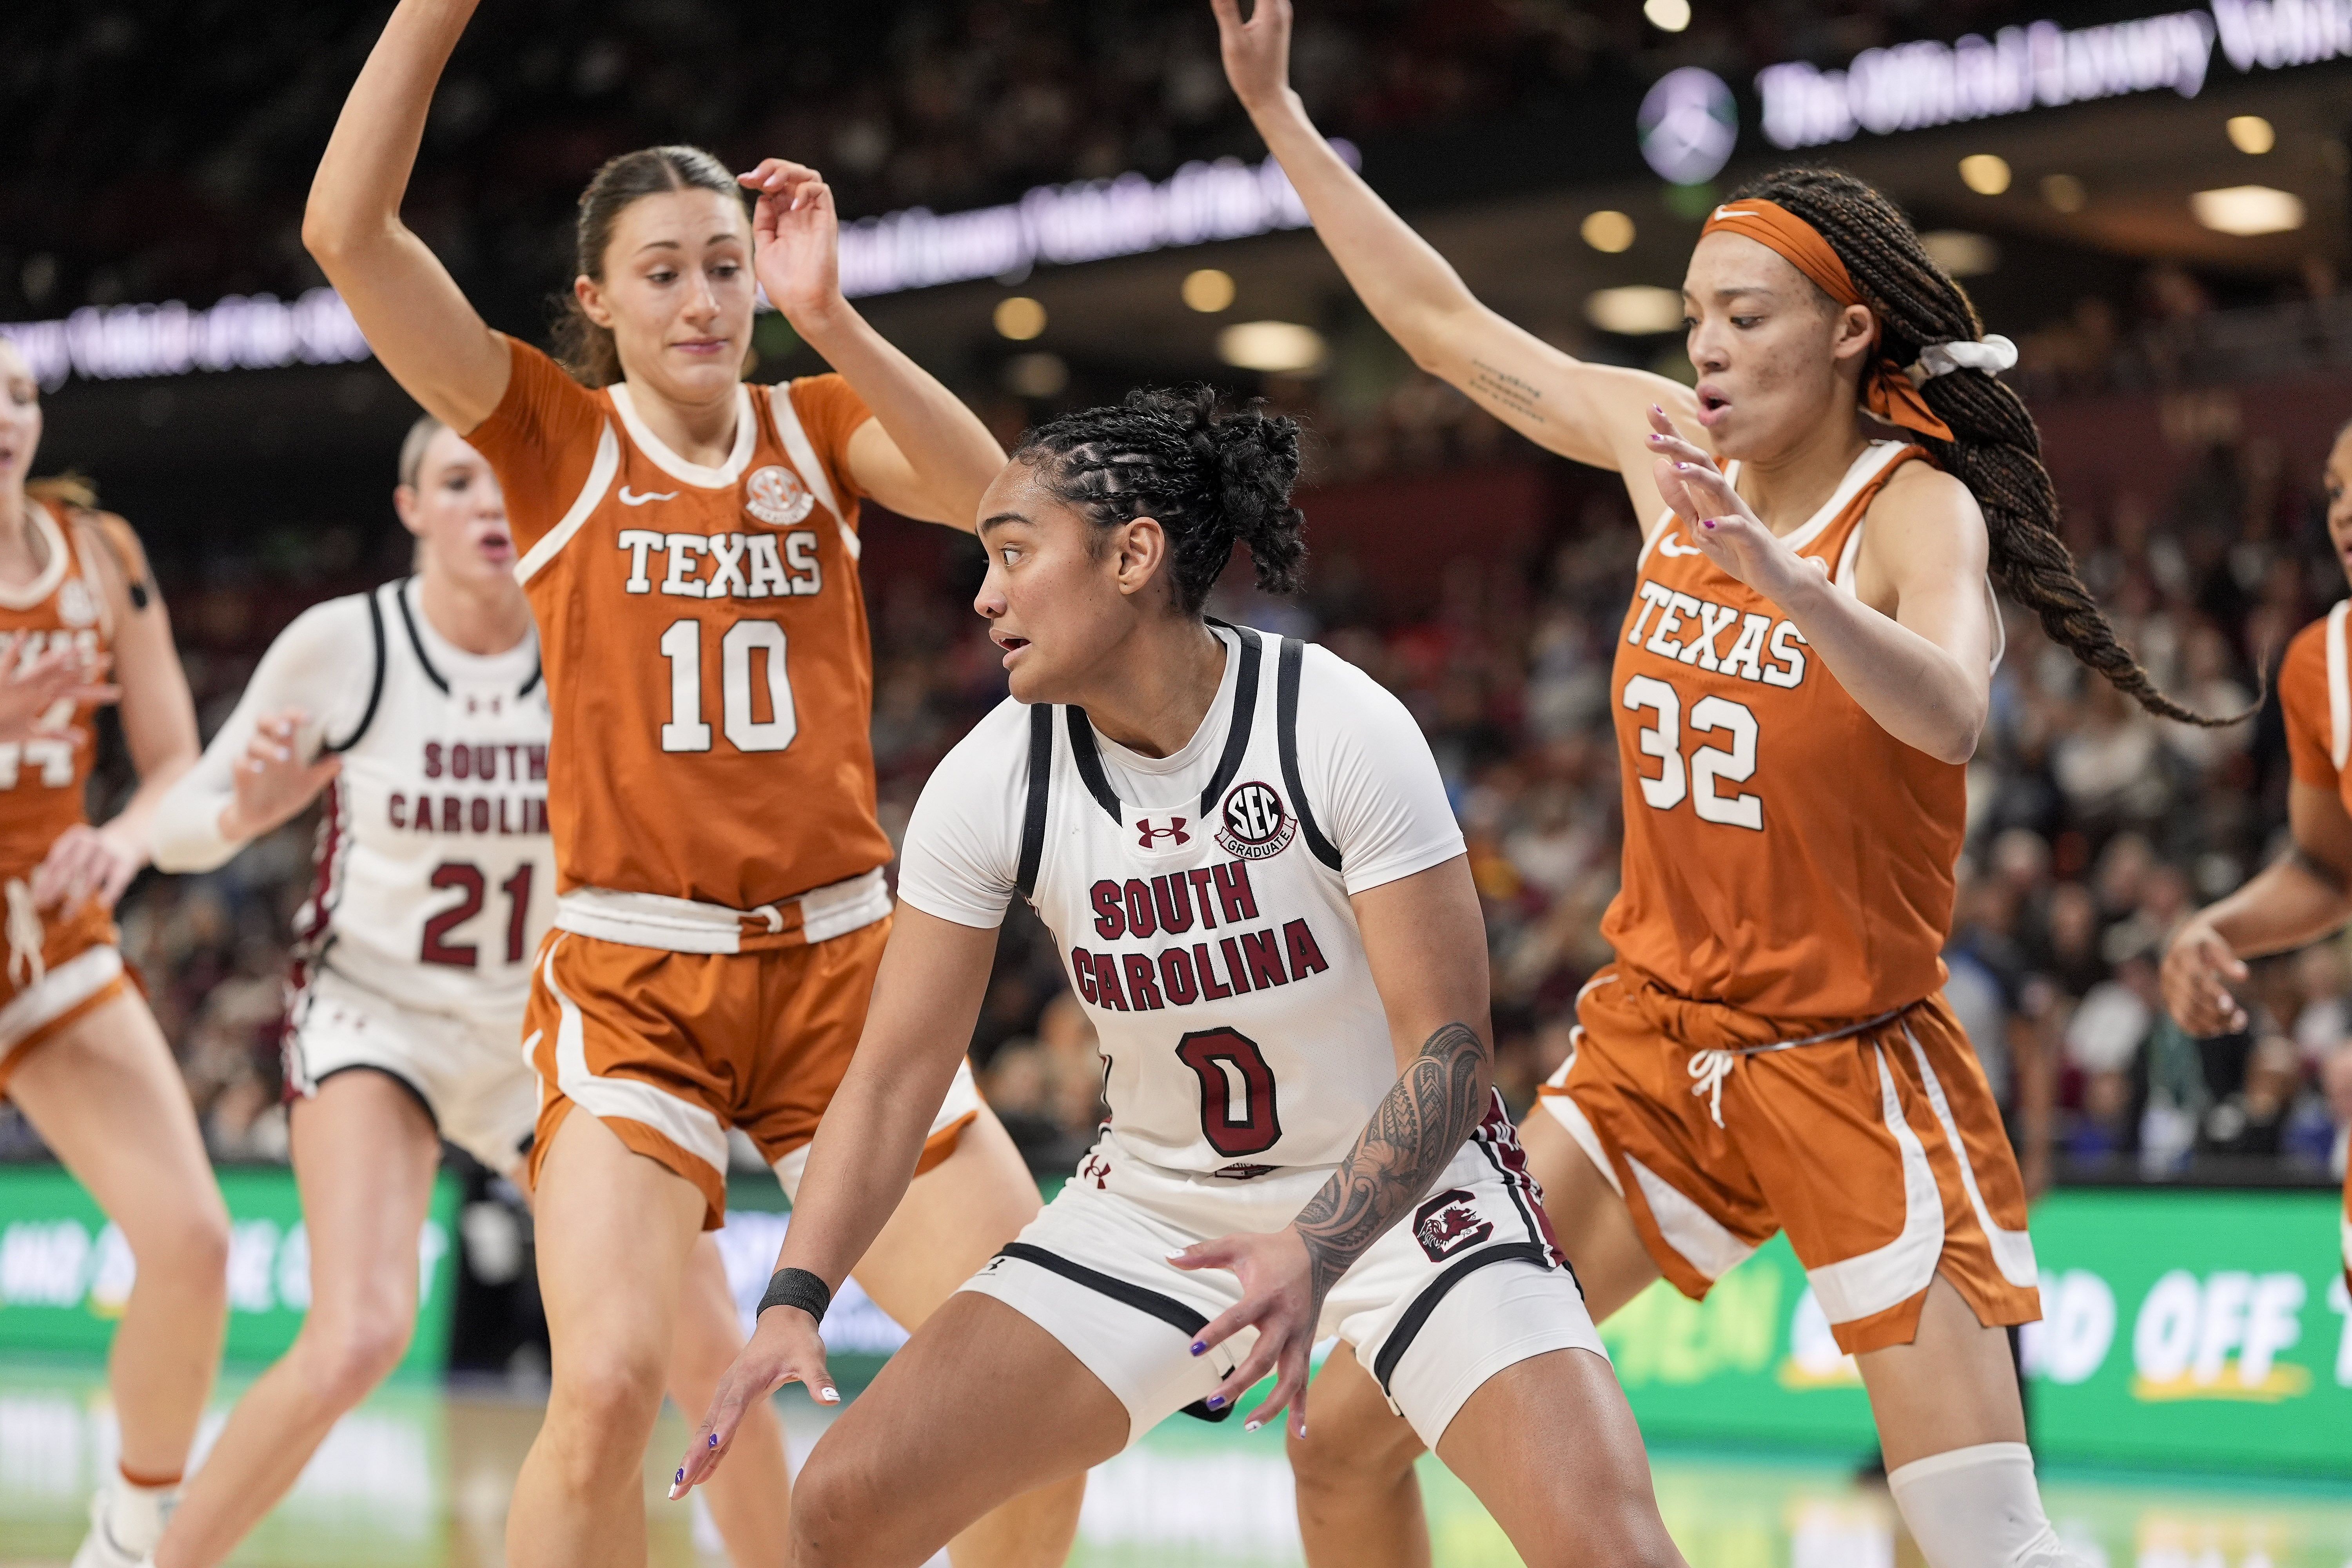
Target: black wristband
<point>797,1288</point>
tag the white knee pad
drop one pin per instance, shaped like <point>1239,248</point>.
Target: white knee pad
<point>1979,1508</point>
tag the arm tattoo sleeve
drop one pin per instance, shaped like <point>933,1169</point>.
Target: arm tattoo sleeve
<point>1416,1129</point>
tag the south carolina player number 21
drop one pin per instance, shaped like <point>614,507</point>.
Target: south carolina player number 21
<point>686,729</point>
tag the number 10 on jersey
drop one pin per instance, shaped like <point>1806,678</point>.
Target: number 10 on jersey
<point>743,643</point>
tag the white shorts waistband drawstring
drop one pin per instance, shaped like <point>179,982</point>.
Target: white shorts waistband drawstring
<point>26,936</point>
<point>1708,1068</point>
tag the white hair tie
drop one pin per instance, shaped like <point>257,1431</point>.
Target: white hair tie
<point>1992,354</point>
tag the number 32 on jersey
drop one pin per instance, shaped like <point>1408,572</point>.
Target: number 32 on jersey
<point>1701,776</point>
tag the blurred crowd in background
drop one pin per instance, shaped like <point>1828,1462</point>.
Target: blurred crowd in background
<point>2093,829</point>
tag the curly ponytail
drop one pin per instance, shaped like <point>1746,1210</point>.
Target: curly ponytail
<point>1995,450</point>
<point>1210,479</point>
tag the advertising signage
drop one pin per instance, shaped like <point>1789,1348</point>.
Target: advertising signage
<point>1920,85</point>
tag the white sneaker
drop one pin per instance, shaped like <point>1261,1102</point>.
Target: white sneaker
<point>125,1523</point>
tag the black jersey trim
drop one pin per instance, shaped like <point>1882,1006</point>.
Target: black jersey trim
<point>415,639</point>
<point>538,668</point>
<point>1089,761</point>
<point>1041,779</point>
<point>1285,724</point>
<point>1167,1309</point>
<point>1237,730</point>
<point>1400,1338</point>
<point>375,686</point>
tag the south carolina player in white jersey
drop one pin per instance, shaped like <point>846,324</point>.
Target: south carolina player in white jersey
<point>1243,849</point>
<point>419,709</point>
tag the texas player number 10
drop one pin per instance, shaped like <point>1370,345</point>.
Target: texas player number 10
<point>688,730</point>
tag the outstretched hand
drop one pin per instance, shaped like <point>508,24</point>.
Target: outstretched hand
<point>1279,1299</point>
<point>2198,970</point>
<point>39,694</point>
<point>272,781</point>
<point>784,1348</point>
<point>1257,52</point>
<point>1723,526</point>
<point>796,238</point>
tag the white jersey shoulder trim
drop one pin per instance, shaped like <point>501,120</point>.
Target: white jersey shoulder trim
<point>2339,687</point>
<point>798,448</point>
<point>53,539</point>
<point>592,494</point>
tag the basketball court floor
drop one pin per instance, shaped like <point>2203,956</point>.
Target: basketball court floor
<point>419,1477</point>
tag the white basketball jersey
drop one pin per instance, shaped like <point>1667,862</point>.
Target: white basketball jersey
<point>436,875</point>
<point>1211,940</point>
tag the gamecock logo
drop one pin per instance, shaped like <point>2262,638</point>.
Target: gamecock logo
<point>1447,1223</point>
<point>1252,825</point>
<point>775,495</point>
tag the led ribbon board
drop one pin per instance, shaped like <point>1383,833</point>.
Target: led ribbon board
<point>1914,86</point>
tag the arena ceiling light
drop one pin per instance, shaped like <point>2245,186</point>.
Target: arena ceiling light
<point>1667,16</point>
<point>1962,253</point>
<point>2251,133</point>
<point>1271,346</point>
<point>1037,374</point>
<point>2064,193</point>
<point>1635,311</point>
<point>1606,232</point>
<point>1985,174</point>
<point>1020,318</point>
<point>2248,210</point>
<point>1208,290</point>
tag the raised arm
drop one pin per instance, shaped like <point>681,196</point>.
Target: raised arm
<point>927,996</point>
<point>1426,943</point>
<point>405,300</point>
<point>2297,899</point>
<point>1593,414</point>
<point>923,455</point>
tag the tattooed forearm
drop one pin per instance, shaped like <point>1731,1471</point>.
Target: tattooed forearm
<point>1415,1130</point>
<point>1505,392</point>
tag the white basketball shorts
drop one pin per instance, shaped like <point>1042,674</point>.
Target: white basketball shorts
<point>468,1070</point>
<point>1466,1284</point>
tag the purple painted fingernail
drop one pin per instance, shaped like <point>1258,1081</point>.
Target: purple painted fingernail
<point>1707,523</point>
<point>714,1439</point>
<point>680,1478</point>
<point>1216,1401</point>
<point>1199,1346</point>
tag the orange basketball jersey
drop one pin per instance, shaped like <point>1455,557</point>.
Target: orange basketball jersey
<point>2315,691</point>
<point>704,636</point>
<point>1783,853</point>
<point>43,780</point>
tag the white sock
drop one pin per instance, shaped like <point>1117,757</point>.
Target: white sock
<point>1978,1507</point>
<point>135,1514</point>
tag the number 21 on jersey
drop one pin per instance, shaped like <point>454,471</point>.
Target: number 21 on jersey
<point>746,642</point>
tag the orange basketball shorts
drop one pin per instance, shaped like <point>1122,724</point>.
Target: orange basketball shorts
<point>1876,1145</point>
<point>671,1050</point>
<point>76,970</point>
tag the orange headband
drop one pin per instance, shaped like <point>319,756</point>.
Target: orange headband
<point>1887,391</point>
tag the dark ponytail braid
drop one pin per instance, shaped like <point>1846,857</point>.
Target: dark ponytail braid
<point>1995,450</point>
<point>1211,479</point>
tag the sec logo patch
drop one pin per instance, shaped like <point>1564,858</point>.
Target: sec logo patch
<point>1252,824</point>
<point>775,496</point>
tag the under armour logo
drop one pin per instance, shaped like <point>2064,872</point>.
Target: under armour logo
<point>1148,834</point>
<point>639,497</point>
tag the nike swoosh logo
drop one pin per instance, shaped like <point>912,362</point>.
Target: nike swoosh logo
<point>639,497</point>
<point>1667,546</point>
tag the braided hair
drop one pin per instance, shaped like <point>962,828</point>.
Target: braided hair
<point>1995,450</point>
<point>1212,480</point>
